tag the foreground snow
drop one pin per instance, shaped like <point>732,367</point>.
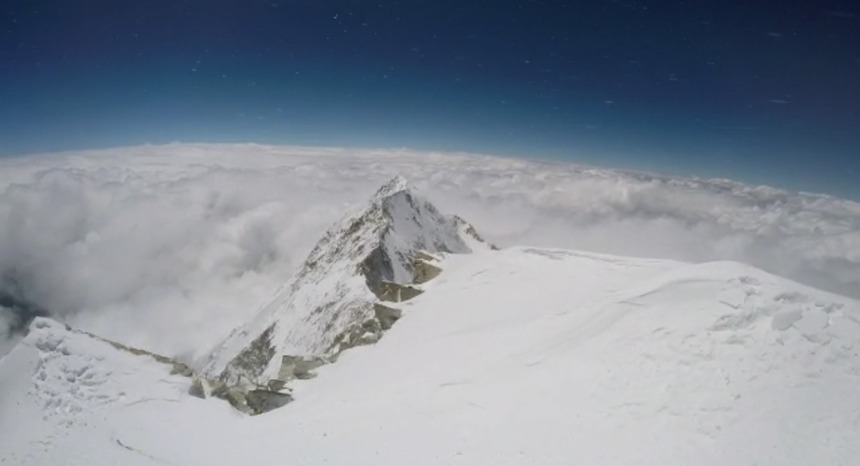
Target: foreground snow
<point>523,356</point>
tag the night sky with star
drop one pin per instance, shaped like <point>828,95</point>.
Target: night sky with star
<point>760,91</point>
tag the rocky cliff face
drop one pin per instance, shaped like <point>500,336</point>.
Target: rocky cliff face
<point>341,296</point>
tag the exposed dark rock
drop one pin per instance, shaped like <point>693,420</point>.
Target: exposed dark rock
<point>252,360</point>
<point>394,292</point>
<point>234,396</point>
<point>200,388</point>
<point>276,384</point>
<point>298,367</point>
<point>424,271</point>
<point>260,401</point>
<point>181,369</point>
<point>424,256</point>
<point>367,333</point>
<point>386,315</point>
<point>377,269</point>
<point>306,366</point>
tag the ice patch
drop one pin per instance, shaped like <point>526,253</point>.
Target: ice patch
<point>784,320</point>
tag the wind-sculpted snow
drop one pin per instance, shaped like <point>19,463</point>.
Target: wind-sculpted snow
<point>60,383</point>
<point>170,247</point>
<point>72,373</point>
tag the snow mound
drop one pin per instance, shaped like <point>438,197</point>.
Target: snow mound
<point>57,381</point>
<point>328,305</point>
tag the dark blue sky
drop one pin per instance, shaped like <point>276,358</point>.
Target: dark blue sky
<point>762,91</point>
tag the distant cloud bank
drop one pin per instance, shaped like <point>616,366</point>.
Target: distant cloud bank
<point>170,247</point>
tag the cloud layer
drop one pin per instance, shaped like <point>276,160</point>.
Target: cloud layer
<point>170,247</point>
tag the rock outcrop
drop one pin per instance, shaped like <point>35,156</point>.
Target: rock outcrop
<point>200,388</point>
<point>395,292</point>
<point>425,269</point>
<point>260,401</point>
<point>298,367</point>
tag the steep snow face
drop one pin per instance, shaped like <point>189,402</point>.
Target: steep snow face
<point>328,304</point>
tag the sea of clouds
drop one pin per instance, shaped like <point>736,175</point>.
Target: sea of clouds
<point>170,247</point>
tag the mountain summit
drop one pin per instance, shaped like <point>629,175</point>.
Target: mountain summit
<point>374,255</point>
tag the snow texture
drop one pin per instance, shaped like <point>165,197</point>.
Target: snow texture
<point>58,384</point>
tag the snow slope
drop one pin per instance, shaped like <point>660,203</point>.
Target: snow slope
<point>64,394</point>
<point>515,357</point>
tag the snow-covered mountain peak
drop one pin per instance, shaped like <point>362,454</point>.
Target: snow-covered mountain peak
<point>334,301</point>
<point>393,186</point>
<point>385,234</point>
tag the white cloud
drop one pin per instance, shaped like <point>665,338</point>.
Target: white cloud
<point>170,247</point>
<point>8,336</point>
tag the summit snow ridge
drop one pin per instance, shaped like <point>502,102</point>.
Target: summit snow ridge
<point>395,185</point>
<point>335,299</point>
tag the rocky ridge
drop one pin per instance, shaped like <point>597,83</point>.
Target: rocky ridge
<point>344,295</point>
